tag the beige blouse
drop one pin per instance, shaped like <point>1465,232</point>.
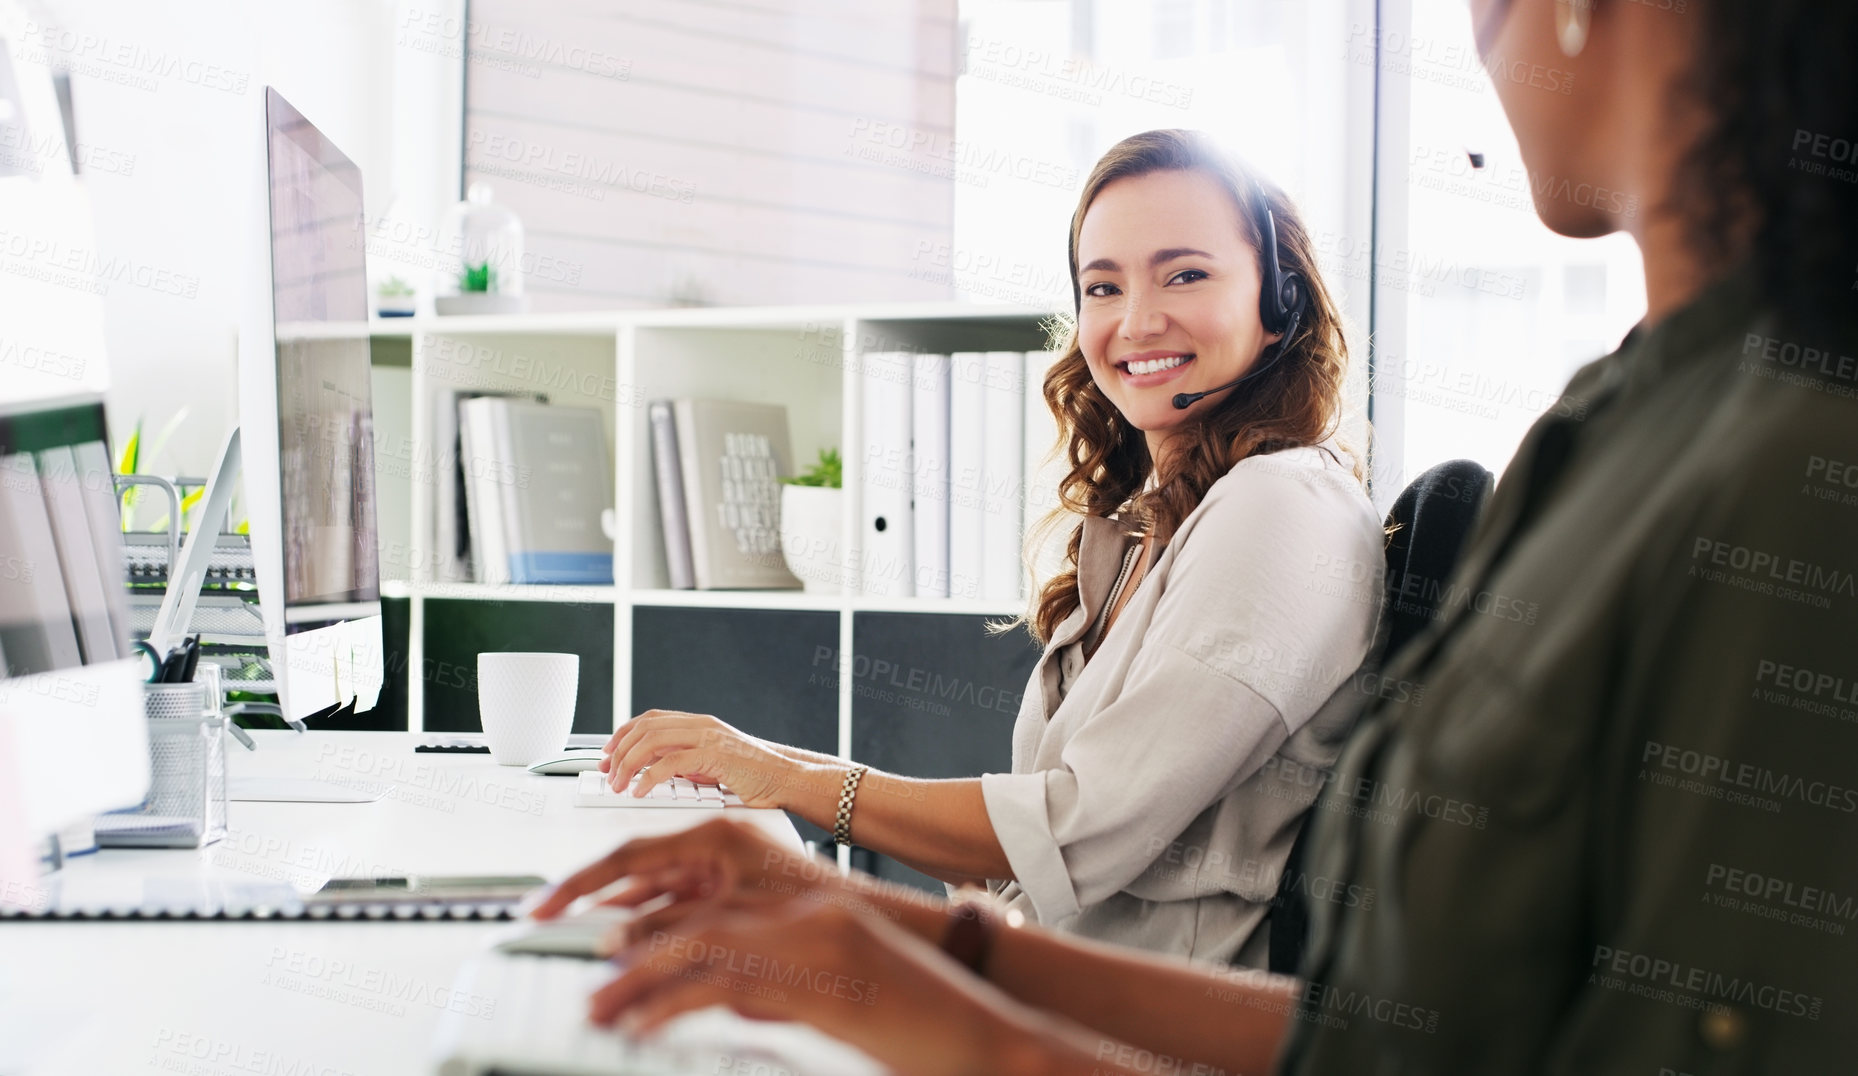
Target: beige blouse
<point>1156,788</point>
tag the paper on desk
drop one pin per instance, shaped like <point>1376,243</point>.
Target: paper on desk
<point>31,1031</point>
<point>304,790</point>
<point>17,872</point>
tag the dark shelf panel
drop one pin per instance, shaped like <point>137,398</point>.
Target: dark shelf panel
<point>933,696</point>
<point>767,672</point>
<point>457,631</point>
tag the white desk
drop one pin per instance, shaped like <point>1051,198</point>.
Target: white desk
<point>301,998</point>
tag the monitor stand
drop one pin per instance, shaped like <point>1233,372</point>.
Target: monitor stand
<point>186,577</point>
<point>177,610</point>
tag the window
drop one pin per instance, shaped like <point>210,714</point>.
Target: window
<point>1481,313</point>
<point>1046,86</point>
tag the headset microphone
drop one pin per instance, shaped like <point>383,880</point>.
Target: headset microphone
<point>1282,298</point>
<point>1184,400</point>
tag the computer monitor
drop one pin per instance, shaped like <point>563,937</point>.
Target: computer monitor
<point>306,420</point>
<point>71,680</point>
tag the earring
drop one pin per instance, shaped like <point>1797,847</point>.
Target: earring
<point>1571,25</point>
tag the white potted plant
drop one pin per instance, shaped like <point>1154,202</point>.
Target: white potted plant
<point>394,298</point>
<point>812,508</point>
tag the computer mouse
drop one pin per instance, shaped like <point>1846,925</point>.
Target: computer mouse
<point>567,763</point>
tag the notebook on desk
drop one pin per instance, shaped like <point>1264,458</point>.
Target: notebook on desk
<point>428,897</point>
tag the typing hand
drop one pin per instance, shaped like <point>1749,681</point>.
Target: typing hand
<point>660,744</point>
<point>850,974</point>
<point>720,859</point>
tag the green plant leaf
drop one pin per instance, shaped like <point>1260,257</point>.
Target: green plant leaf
<point>828,473</point>
<point>131,450</point>
<point>126,463</point>
<point>188,502</point>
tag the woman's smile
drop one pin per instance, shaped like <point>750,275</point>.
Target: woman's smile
<point>1145,368</point>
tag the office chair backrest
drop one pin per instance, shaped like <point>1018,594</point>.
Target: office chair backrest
<point>1429,524</point>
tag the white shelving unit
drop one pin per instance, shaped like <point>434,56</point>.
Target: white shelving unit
<point>805,358</point>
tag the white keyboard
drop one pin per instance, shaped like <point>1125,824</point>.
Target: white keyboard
<point>593,791</point>
<point>527,1016</point>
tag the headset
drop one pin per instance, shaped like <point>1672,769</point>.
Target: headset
<point>1282,299</point>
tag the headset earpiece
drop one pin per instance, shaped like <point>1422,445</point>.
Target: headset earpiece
<point>1290,294</point>
<point>1077,292</point>
<point>1280,293</point>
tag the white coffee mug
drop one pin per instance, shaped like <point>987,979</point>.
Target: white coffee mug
<point>526,702</point>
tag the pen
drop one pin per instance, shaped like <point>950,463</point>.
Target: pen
<point>171,667</point>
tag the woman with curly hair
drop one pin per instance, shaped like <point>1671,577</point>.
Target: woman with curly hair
<point>1222,578</point>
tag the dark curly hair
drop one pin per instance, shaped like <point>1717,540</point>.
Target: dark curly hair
<point>1779,82</point>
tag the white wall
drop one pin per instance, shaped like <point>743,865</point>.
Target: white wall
<point>166,104</point>
<point>661,152</point>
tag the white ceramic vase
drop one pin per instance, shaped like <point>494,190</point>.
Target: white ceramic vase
<point>810,519</point>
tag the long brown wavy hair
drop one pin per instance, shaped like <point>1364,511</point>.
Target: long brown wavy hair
<point>1296,402</point>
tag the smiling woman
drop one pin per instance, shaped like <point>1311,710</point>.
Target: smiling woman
<point>1169,260</point>
<point>1169,742</point>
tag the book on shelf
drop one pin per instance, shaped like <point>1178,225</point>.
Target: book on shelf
<point>38,633</point>
<point>452,560</point>
<point>668,477</point>
<point>483,486</point>
<point>538,482</point>
<point>76,540</point>
<point>104,514</point>
<point>966,435</point>
<point>967,449</point>
<point>1045,468</point>
<point>929,389</point>
<point>887,521</point>
<point>1003,421</point>
<point>732,455</point>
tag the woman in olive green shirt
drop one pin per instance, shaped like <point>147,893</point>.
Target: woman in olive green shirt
<point>1667,881</point>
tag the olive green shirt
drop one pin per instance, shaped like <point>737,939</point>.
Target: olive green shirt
<point>1614,826</point>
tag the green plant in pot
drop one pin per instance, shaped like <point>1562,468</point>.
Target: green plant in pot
<point>828,472</point>
<point>478,278</point>
<point>812,511</point>
<point>394,298</point>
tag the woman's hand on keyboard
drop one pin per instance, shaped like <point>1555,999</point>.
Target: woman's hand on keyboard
<point>719,859</point>
<point>729,860</point>
<point>660,744</point>
<point>852,975</point>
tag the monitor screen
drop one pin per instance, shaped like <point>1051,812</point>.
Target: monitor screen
<point>325,419</point>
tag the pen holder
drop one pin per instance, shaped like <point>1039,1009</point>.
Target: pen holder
<point>186,803</point>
